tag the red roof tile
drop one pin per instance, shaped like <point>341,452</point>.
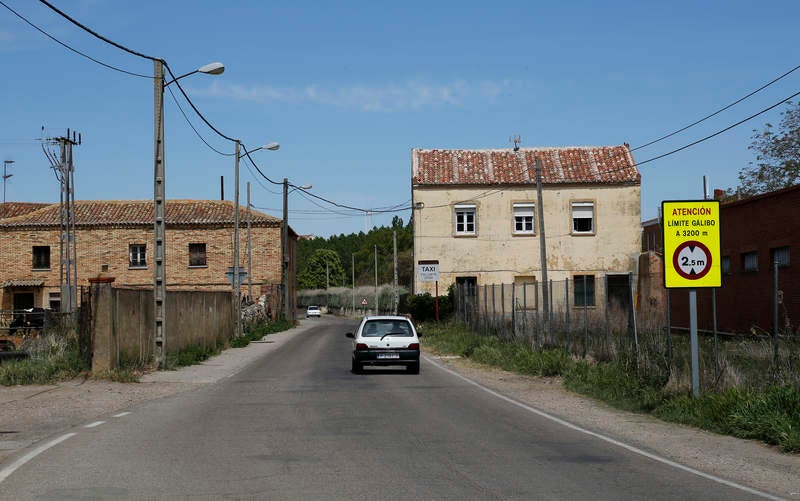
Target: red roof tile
<point>140,212</point>
<point>560,165</point>
<point>14,209</point>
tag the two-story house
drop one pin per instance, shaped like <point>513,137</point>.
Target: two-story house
<point>116,238</point>
<point>476,213</point>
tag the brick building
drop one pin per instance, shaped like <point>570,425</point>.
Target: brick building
<point>755,232</point>
<point>116,237</point>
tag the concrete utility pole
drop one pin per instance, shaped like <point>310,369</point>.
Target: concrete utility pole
<point>159,232</point>
<point>68,270</point>
<point>6,176</point>
<point>542,244</point>
<point>236,276</point>
<point>353,268</point>
<point>396,292</point>
<point>249,248</point>
<point>377,311</point>
<point>285,251</point>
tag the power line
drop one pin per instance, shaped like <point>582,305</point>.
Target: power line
<point>97,35</point>
<point>76,51</point>
<point>740,122</point>
<point>175,100</point>
<point>716,112</point>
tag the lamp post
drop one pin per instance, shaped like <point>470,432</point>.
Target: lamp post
<point>287,312</point>
<point>236,278</point>
<point>159,206</point>
<point>6,176</point>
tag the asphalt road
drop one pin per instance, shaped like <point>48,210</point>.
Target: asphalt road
<point>296,424</point>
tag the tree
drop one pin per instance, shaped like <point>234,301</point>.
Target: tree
<point>777,162</point>
<point>324,264</point>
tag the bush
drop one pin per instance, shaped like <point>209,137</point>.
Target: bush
<point>257,330</point>
<point>423,307</point>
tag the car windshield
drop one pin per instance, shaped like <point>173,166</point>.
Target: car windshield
<point>313,307</point>
<point>381,328</point>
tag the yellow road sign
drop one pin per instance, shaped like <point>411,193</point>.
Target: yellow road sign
<point>691,244</point>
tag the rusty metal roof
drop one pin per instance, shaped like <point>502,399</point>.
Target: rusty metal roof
<point>560,165</point>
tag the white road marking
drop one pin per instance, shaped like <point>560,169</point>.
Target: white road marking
<point>8,470</point>
<point>605,438</point>
<point>96,423</point>
<point>121,414</point>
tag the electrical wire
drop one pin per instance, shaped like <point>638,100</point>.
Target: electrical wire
<point>716,112</point>
<point>97,35</point>
<point>68,47</point>
<point>740,122</point>
<point>175,100</point>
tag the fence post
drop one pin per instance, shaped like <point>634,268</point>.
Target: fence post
<point>775,320</point>
<point>105,356</point>
<point>503,307</point>
<point>485,310</point>
<point>586,318</point>
<point>566,311</point>
<point>494,307</point>
<point>514,309</point>
<point>633,313</point>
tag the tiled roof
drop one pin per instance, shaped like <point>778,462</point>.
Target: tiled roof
<point>560,165</point>
<point>140,212</point>
<point>14,209</point>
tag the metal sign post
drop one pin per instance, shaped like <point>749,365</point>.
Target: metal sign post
<point>692,258</point>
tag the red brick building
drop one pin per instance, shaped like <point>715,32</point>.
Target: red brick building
<point>755,232</point>
<point>116,237</point>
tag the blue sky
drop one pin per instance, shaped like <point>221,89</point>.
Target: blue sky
<point>349,88</point>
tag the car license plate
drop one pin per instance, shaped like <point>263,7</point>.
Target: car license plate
<point>388,355</point>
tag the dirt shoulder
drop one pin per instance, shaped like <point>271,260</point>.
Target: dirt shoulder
<point>746,462</point>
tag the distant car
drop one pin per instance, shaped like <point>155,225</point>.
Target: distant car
<point>385,341</point>
<point>313,311</point>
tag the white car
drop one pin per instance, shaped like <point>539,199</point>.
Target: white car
<point>383,341</point>
<point>313,311</point>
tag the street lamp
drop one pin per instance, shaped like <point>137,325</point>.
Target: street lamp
<point>287,311</point>
<point>236,279</point>
<point>159,205</point>
<point>6,176</point>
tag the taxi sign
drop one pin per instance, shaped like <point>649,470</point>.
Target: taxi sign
<point>428,270</point>
<point>691,244</point>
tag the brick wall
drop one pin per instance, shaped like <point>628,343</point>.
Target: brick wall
<point>746,298</point>
<point>109,246</point>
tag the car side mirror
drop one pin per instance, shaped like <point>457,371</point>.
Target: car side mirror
<point>350,335</point>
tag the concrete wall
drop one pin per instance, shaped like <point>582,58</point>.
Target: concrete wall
<point>123,323</point>
<point>496,255</point>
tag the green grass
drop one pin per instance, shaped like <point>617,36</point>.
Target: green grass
<point>41,370</point>
<point>771,415</point>
<point>257,330</point>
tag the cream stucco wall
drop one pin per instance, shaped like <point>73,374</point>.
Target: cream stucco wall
<point>495,255</point>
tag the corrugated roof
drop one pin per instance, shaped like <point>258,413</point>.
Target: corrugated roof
<point>22,283</point>
<point>560,165</point>
<point>140,212</point>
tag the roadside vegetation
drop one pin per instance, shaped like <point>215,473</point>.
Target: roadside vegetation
<point>52,358</point>
<point>57,357</point>
<point>770,414</point>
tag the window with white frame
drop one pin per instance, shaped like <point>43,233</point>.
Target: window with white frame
<point>465,219</point>
<point>523,218</point>
<point>582,217</point>
<point>138,255</point>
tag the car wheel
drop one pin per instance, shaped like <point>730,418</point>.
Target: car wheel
<point>357,368</point>
<point>413,368</point>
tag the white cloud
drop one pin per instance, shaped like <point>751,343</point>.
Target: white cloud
<point>407,96</point>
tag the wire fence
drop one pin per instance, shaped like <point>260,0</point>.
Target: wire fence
<point>598,319</point>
